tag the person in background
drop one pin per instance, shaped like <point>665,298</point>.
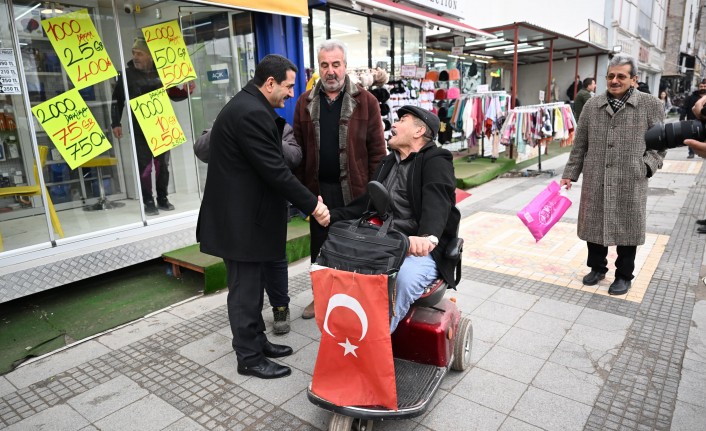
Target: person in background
<point>666,102</point>
<point>687,112</point>
<point>339,128</point>
<point>585,93</point>
<point>574,88</point>
<point>243,216</point>
<point>609,149</point>
<point>142,77</point>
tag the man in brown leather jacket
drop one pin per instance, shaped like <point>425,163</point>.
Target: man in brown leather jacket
<point>339,128</point>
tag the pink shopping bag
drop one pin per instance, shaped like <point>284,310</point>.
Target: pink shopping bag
<point>545,210</point>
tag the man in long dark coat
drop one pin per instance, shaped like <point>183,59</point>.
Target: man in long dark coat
<point>243,216</point>
<point>609,150</point>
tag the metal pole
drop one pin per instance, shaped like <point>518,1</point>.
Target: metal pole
<point>547,96</point>
<point>576,73</point>
<point>514,68</point>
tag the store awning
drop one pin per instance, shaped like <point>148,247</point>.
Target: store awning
<point>391,6</point>
<point>299,8</point>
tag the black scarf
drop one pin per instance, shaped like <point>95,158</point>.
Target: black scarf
<point>616,104</point>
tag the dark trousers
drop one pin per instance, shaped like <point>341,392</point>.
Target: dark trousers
<point>624,264</point>
<point>145,163</point>
<point>276,276</point>
<point>246,290</point>
<point>333,198</point>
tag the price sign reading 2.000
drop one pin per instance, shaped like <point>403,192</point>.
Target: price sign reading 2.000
<point>80,49</point>
<point>156,116</point>
<point>72,127</point>
<point>169,53</point>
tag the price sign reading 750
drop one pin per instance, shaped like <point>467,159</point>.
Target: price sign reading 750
<point>157,120</point>
<point>72,128</point>
<point>80,49</point>
<point>169,53</point>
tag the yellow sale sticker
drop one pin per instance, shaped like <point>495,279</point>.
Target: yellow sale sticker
<point>79,47</point>
<point>157,120</point>
<point>169,53</point>
<point>72,128</point>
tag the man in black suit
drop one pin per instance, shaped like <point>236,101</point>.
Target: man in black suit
<point>243,216</point>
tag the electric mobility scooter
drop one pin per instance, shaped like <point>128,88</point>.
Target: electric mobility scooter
<point>431,339</point>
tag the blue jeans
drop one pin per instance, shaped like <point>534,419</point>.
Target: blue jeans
<point>275,274</point>
<point>415,274</point>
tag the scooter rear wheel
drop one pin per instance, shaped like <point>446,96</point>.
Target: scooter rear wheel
<point>462,345</point>
<point>340,422</point>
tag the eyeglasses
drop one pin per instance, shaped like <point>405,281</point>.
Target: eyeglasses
<point>620,77</point>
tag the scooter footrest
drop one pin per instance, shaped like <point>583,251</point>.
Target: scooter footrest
<point>416,383</point>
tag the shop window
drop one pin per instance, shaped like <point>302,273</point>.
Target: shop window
<point>318,21</point>
<point>381,35</point>
<point>412,47</point>
<point>399,42</point>
<point>352,30</point>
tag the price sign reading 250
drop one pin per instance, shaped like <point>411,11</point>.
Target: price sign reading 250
<point>169,53</point>
<point>80,49</point>
<point>72,128</point>
<point>157,120</point>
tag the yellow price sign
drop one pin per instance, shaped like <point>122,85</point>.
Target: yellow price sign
<point>80,49</point>
<point>72,128</point>
<point>157,120</point>
<point>169,53</point>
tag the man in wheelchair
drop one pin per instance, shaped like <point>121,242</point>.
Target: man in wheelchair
<point>419,177</point>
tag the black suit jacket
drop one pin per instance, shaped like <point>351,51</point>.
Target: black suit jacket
<point>243,214</point>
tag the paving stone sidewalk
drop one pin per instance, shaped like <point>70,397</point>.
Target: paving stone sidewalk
<point>547,353</point>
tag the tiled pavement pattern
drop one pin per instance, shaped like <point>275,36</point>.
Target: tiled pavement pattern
<point>547,354</point>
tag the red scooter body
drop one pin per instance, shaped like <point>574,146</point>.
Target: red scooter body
<point>426,335</point>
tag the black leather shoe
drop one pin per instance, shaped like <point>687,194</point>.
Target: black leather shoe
<point>701,222</point>
<point>702,229</point>
<point>276,350</point>
<point>593,277</point>
<point>619,287</point>
<point>265,370</point>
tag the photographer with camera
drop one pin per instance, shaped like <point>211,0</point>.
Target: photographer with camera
<point>609,149</point>
<point>687,112</point>
<point>697,146</point>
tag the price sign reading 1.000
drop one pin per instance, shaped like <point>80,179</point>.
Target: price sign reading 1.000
<point>156,116</point>
<point>72,128</point>
<point>80,49</point>
<point>169,53</point>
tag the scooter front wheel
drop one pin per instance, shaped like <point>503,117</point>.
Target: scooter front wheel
<point>341,422</point>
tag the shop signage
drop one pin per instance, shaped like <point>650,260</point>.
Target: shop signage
<point>482,88</point>
<point>72,128</point>
<point>597,33</point>
<point>451,7</point>
<point>169,53</point>
<point>421,73</point>
<point>456,50</point>
<point>9,80</point>
<point>408,71</point>
<point>218,73</point>
<point>80,49</point>
<point>157,120</point>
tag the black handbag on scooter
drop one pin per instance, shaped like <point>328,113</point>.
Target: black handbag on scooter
<point>365,247</point>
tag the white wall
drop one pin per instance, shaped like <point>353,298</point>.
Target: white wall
<point>533,78</point>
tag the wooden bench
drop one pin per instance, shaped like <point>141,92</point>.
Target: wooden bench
<point>212,267</point>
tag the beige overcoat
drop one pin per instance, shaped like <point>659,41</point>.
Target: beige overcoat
<point>609,149</point>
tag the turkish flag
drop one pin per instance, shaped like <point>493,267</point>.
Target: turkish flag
<point>354,366</point>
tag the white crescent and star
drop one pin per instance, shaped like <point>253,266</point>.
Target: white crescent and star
<point>347,301</point>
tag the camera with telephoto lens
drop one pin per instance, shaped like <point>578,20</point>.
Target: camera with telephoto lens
<point>670,135</point>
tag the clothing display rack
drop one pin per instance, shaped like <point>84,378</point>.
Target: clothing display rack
<point>481,154</point>
<point>535,108</point>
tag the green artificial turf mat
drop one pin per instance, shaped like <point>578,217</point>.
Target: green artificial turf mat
<point>39,323</point>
